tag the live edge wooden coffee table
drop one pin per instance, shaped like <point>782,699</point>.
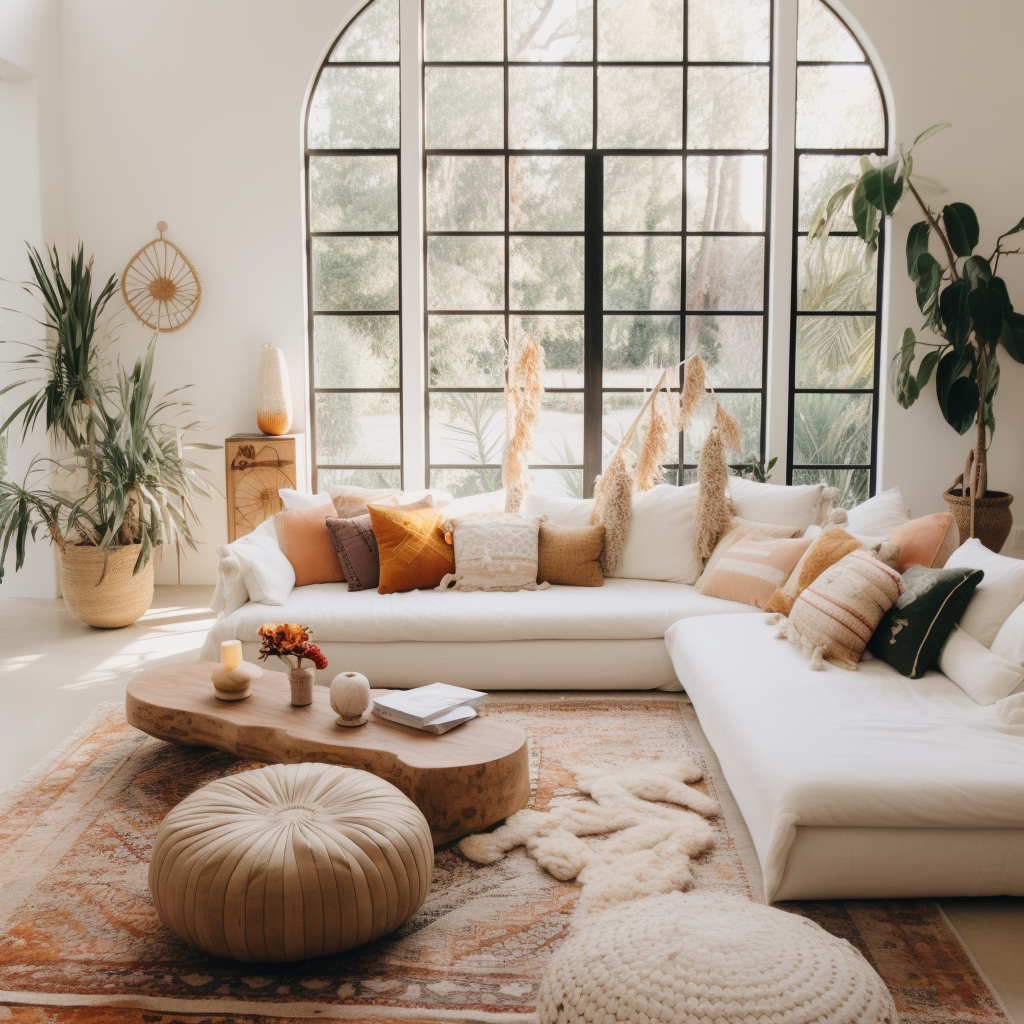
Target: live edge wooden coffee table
<point>462,781</point>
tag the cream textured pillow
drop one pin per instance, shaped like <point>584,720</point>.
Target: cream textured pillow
<point>979,672</point>
<point>797,506</point>
<point>998,594</point>
<point>753,569</point>
<point>835,616</point>
<point>738,529</point>
<point>494,553</point>
<point>660,543</point>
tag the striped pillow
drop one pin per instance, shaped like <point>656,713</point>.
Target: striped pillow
<point>835,616</point>
<point>754,568</point>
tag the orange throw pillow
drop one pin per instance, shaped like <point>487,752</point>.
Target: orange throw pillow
<point>928,541</point>
<point>412,548</point>
<point>754,568</point>
<point>306,542</point>
<point>832,544</point>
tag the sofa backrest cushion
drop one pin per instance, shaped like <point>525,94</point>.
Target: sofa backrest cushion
<point>879,517</point>
<point>979,672</point>
<point>997,596</point>
<point>571,512</point>
<point>798,506</point>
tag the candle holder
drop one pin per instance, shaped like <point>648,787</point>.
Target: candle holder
<point>233,678</point>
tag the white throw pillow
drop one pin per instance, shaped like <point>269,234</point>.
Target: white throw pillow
<point>268,575</point>
<point>571,512</point>
<point>492,501</point>
<point>1009,641</point>
<point>299,499</point>
<point>997,595</point>
<point>778,504</point>
<point>981,674</point>
<point>879,517</point>
<point>660,543</point>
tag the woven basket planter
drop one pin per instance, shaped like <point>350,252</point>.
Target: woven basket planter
<point>992,516</point>
<point>119,600</point>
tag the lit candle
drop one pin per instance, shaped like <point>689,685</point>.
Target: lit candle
<point>231,654</point>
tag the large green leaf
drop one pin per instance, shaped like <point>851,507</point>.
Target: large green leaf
<point>961,405</point>
<point>1019,226</point>
<point>900,376</point>
<point>929,277</point>
<point>883,187</point>
<point>997,284</point>
<point>917,243</point>
<point>955,314</point>
<point>987,313</point>
<point>929,132</point>
<point>961,228</point>
<point>924,371</point>
<point>865,217</point>
<point>1012,337</point>
<point>977,268</point>
<point>950,367</point>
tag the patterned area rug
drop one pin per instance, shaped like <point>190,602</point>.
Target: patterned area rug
<point>80,941</point>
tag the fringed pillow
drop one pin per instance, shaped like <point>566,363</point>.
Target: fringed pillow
<point>834,617</point>
<point>494,553</point>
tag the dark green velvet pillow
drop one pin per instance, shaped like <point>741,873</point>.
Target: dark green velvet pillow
<point>912,632</point>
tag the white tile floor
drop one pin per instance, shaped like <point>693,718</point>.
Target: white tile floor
<point>54,671</point>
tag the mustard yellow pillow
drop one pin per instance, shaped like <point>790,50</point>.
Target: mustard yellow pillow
<point>832,544</point>
<point>413,552</point>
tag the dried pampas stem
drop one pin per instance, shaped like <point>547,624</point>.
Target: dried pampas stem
<point>613,507</point>
<point>730,430</point>
<point>714,506</point>
<point>694,385</point>
<point>524,387</point>
<point>655,447</point>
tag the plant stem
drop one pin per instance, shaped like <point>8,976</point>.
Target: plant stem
<point>938,230</point>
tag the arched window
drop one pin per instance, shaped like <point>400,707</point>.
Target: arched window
<point>596,173</point>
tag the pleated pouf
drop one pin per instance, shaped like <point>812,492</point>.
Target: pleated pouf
<point>289,862</point>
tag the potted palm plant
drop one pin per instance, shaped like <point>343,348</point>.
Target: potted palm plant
<point>966,307</point>
<point>121,484</point>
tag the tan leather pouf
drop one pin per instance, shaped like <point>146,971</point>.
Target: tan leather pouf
<point>290,862</point>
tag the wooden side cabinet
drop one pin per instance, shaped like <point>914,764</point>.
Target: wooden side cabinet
<point>256,465</point>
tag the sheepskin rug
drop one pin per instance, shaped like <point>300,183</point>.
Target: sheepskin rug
<point>633,837</point>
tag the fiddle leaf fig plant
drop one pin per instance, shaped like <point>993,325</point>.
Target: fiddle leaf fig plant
<point>965,303</point>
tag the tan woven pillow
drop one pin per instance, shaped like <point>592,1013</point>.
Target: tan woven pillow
<point>738,529</point>
<point>569,555</point>
<point>826,549</point>
<point>754,568</point>
<point>834,617</point>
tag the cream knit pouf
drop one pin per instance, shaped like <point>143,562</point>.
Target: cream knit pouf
<point>706,958</point>
<point>290,862</point>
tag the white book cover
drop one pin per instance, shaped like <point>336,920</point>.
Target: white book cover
<point>427,703</point>
<point>438,726</point>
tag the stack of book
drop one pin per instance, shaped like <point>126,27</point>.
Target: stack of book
<point>435,708</point>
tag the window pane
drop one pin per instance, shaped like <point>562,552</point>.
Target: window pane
<point>550,108</point>
<point>732,348</point>
<point>462,482</point>
<point>465,273</point>
<point>831,429</point>
<point>746,409</point>
<point>355,108</point>
<point>566,483</point>
<point>835,351</point>
<point>546,273</point>
<point>371,36</point>
<point>640,108</point>
<point>465,108</point>
<point>838,107</point>
<point>724,272</point>
<point>642,273</point>
<point>725,193</point>
<point>546,193</point>
<point>727,108</point>
<point>355,351</point>
<point>620,410</point>
<point>466,351</point>
<point>640,30</point>
<point>643,193</point>
<point>465,193</point>
<point>820,177</point>
<point>832,274</point>
<point>550,30</point>
<point>353,193</point>
<point>561,337</point>
<point>364,429</point>
<point>463,30</point>
<point>355,273</point>
<point>738,30</point>
<point>822,36</point>
<point>852,484</point>
<point>638,348</point>
<point>558,438</point>
<point>378,479</point>
<point>467,428</point>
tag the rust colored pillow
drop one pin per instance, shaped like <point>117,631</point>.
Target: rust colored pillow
<point>927,541</point>
<point>306,542</point>
<point>754,568</point>
<point>569,555</point>
<point>832,544</point>
<point>413,552</point>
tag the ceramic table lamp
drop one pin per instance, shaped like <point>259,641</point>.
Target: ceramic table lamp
<point>273,393</point>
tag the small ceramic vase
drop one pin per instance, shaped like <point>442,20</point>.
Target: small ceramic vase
<point>350,698</point>
<point>302,686</point>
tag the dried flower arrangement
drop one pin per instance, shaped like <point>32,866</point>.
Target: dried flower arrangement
<point>286,640</point>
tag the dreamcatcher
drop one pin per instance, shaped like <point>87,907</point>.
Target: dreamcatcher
<point>160,286</point>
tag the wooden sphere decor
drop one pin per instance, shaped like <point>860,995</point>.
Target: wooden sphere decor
<point>273,392</point>
<point>290,862</point>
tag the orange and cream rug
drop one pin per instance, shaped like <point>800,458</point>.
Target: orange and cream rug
<point>81,942</point>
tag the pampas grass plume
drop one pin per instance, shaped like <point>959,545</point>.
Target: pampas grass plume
<point>730,431</point>
<point>613,507</point>
<point>714,506</point>
<point>649,469</point>
<point>694,385</point>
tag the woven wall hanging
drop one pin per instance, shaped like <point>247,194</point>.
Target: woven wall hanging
<point>160,286</point>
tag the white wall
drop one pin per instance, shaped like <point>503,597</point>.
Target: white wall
<point>190,112</point>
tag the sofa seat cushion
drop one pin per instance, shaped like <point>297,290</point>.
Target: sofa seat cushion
<point>622,609</point>
<point>870,749</point>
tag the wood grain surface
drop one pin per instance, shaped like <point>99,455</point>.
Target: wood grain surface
<point>463,781</point>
